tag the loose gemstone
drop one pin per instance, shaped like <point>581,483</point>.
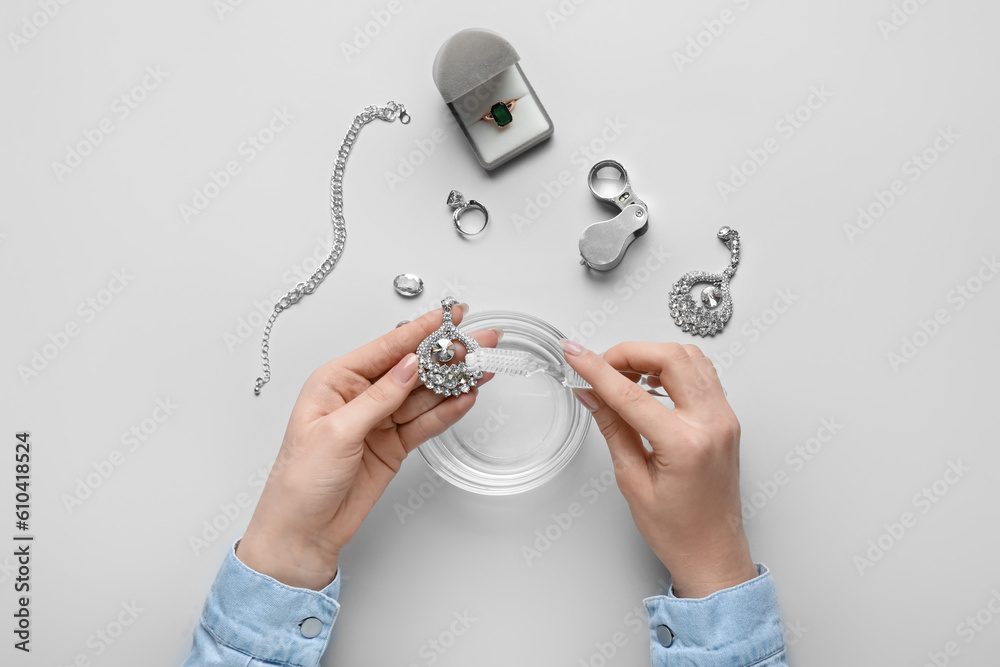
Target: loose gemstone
<point>501,114</point>
<point>408,284</point>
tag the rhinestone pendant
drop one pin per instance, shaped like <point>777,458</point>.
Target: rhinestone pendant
<point>441,378</point>
<point>716,308</point>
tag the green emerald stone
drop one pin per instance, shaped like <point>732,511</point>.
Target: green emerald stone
<point>501,114</point>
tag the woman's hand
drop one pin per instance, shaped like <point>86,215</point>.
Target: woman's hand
<point>685,493</point>
<point>355,420</point>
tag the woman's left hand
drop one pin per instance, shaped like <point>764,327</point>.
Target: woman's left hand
<point>356,419</point>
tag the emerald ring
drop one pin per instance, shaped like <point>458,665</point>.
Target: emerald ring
<point>500,114</point>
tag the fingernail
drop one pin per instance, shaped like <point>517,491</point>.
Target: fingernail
<point>464,307</point>
<point>588,398</point>
<point>569,347</point>
<point>499,333</point>
<point>405,369</point>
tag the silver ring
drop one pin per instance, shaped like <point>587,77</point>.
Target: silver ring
<point>456,200</point>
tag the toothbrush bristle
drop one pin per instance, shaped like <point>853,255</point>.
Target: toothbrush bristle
<point>503,360</point>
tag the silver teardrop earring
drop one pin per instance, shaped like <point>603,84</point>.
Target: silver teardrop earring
<point>711,315</point>
<point>436,350</point>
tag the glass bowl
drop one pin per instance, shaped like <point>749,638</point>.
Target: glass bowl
<point>522,430</point>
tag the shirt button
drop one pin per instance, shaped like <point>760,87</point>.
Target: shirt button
<point>664,636</point>
<point>312,626</point>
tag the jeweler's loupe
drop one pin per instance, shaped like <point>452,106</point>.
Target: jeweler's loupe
<point>608,180</point>
<point>603,244</point>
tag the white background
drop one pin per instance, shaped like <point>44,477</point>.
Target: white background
<point>185,329</point>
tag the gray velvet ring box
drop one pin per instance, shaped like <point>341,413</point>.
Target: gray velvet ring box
<point>477,69</point>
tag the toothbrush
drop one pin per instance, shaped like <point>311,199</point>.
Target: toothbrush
<point>521,363</point>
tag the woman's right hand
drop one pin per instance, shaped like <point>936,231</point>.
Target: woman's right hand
<point>684,494</point>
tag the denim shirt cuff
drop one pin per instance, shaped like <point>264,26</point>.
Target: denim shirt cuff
<point>257,615</point>
<point>738,626</point>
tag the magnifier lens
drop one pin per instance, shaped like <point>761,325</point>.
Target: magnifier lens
<point>607,181</point>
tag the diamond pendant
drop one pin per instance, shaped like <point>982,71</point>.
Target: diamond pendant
<point>716,308</point>
<point>441,378</point>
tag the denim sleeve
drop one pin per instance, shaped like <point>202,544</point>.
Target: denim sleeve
<point>251,619</point>
<point>736,627</point>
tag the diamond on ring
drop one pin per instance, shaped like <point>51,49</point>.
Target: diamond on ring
<point>456,200</point>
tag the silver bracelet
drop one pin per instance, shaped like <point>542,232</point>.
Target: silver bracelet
<point>390,112</point>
